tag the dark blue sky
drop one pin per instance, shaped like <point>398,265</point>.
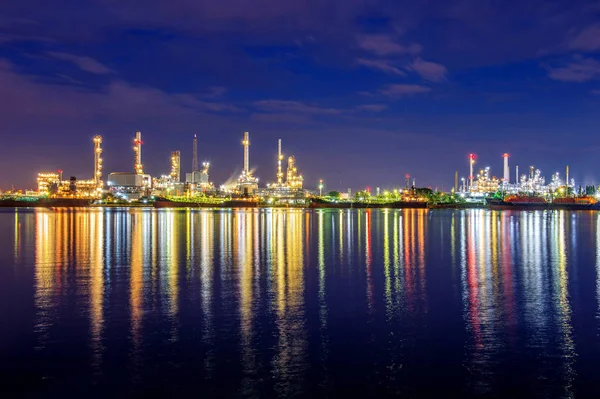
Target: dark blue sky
<point>361,91</point>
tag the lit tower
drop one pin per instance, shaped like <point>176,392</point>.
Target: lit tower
<point>247,184</point>
<point>98,161</point>
<point>176,166</point>
<point>294,180</point>
<point>506,169</point>
<point>137,149</point>
<point>246,144</point>
<point>279,159</point>
<point>195,155</point>
<point>471,163</point>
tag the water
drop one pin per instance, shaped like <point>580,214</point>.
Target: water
<point>291,303</point>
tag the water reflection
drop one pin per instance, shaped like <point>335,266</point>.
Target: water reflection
<point>263,298</point>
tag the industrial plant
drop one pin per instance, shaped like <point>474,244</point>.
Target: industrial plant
<point>135,185</point>
<point>194,188</point>
<point>530,183</point>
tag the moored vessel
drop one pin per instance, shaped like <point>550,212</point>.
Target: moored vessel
<point>528,202</point>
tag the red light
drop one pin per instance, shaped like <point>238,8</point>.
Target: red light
<point>407,176</point>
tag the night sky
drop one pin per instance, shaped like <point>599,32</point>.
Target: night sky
<point>361,92</point>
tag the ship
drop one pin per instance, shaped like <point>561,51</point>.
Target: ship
<point>583,203</point>
<point>233,203</point>
<point>530,202</point>
<point>318,203</point>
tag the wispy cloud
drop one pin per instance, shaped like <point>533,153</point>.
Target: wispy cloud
<point>381,65</point>
<point>430,71</point>
<point>294,107</point>
<point>581,70</point>
<point>404,90</point>
<point>215,91</point>
<point>84,63</point>
<point>385,45</point>
<point>372,107</point>
<point>587,40</point>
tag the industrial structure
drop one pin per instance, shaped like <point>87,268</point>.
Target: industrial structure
<point>289,190</point>
<point>471,164</point>
<point>51,184</point>
<point>506,179</point>
<point>176,166</point>
<point>531,183</point>
<point>288,185</point>
<point>98,163</point>
<point>198,180</point>
<point>137,150</point>
<point>131,185</point>
<point>195,155</point>
<point>247,184</point>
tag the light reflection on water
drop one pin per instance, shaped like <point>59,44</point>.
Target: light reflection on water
<point>292,302</point>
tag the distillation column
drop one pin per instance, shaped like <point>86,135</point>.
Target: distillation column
<point>506,170</point>
<point>176,166</point>
<point>137,149</point>
<point>471,163</point>
<point>246,144</point>
<point>195,155</point>
<point>279,159</point>
<point>98,161</point>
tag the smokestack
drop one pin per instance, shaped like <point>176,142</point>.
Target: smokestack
<point>506,169</point>
<point>517,174</point>
<point>195,155</point>
<point>246,144</point>
<point>567,182</point>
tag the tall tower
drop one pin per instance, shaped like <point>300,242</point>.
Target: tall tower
<point>294,180</point>
<point>98,161</point>
<point>137,149</point>
<point>176,166</point>
<point>195,155</point>
<point>246,144</point>
<point>506,169</point>
<point>456,181</point>
<point>279,159</point>
<point>471,163</point>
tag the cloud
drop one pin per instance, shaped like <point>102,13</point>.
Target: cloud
<point>294,107</point>
<point>26,97</point>
<point>581,70</point>
<point>84,63</point>
<point>372,107</point>
<point>404,89</point>
<point>381,65</point>
<point>215,91</point>
<point>384,45</point>
<point>587,40</point>
<point>429,70</point>
<point>595,92</point>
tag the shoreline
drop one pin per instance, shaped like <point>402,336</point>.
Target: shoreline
<point>242,203</point>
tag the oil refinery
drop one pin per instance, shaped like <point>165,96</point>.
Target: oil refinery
<point>287,187</point>
<point>531,183</point>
